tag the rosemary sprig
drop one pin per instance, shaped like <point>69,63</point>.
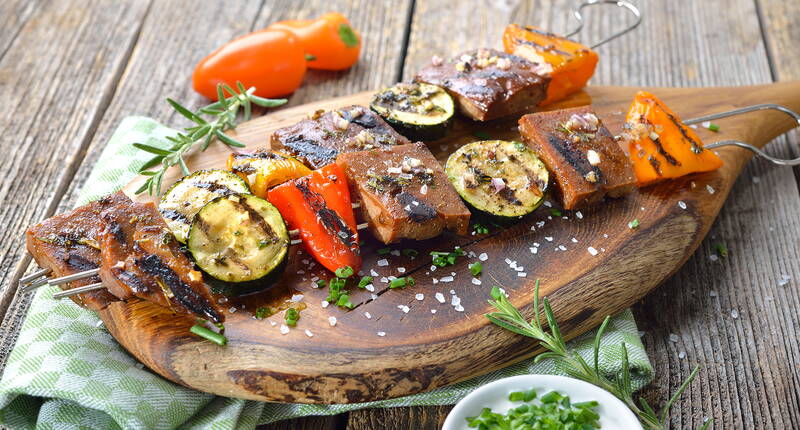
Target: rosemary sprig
<point>509,318</point>
<point>223,115</point>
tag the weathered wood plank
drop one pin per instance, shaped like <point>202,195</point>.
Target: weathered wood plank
<point>58,74</point>
<point>721,49</point>
<point>15,14</point>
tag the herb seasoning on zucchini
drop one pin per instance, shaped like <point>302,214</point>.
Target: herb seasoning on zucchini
<point>238,238</point>
<point>416,110</point>
<point>184,198</point>
<point>499,177</point>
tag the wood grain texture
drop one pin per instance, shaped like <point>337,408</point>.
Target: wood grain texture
<point>56,108</point>
<point>350,363</point>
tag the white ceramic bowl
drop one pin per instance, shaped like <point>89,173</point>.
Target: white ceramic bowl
<point>613,413</point>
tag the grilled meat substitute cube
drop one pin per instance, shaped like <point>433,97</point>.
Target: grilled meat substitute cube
<point>581,154</point>
<point>404,193</point>
<point>69,243</point>
<point>318,140</point>
<point>488,84</point>
<point>141,258</point>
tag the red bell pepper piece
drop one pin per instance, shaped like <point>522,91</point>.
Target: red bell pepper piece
<point>318,205</point>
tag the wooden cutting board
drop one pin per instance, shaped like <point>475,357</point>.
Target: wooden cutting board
<point>349,362</point>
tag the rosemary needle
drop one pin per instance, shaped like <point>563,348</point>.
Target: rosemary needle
<point>222,115</point>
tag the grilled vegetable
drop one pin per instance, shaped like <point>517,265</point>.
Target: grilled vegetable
<point>569,64</point>
<point>264,169</point>
<point>418,111</point>
<point>499,177</point>
<point>660,145</point>
<point>238,238</point>
<point>319,206</point>
<point>185,198</point>
<point>585,160</point>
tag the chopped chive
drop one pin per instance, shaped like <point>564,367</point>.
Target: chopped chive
<point>291,316</point>
<point>263,312</point>
<point>210,335</point>
<point>551,397</point>
<point>321,283</point>
<point>713,127</point>
<point>344,301</point>
<point>403,282</point>
<point>555,212</point>
<point>366,280</point>
<point>410,253</point>
<point>476,268</point>
<point>479,228</point>
<point>722,250</point>
<point>310,57</point>
<point>633,224</point>
<point>522,396</point>
<point>384,251</point>
<point>344,272</point>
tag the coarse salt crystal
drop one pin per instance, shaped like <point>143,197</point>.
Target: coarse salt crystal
<point>401,269</point>
<point>548,204</point>
<point>548,238</point>
<point>534,250</point>
<point>673,338</point>
<point>296,298</point>
<point>605,236</point>
<point>433,268</point>
<point>433,311</point>
<point>385,280</point>
<point>713,257</point>
<point>712,293</point>
<point>368,315</point>
<point>681,355</point>
<point>273,323</point>
<point>579,215</point>
<point>574,240</point>
<point>325,303</point>
<point>423,189</point>
<point>682,204</point>
<point>483,257</point>
<point>562,247</point>
<point>522,274</point>
<point>784,280</point>
<point>373,273</point>
<point>459,308</point>
<point>440,297</point>
<point>419,296</point>
<point>308,333</point>
<point>374,296</point>
<point>734,314</point>
<point>383,262</point>
<point>332,321</point>
<point>592,250</point>
<point>476,281</point>
<point>539,224</point>
<point>403,308</point>
<point>756,179</point>
<point>370,288</point>
<point>446,279</point>
<point>284,329</point>
<point>710,189</point>
<point>381,333</point>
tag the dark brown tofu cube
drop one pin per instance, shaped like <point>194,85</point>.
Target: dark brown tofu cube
<point>404,193</point>
<point>488,84</point>
<point>318,140</point>
<point>580,153</point>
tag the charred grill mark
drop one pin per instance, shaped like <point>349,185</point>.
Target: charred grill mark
<point>309,149</point>
<point>333,223</point>
<point>575,158</point>
<point>542,47</point>
<point>656,165</point>
<point>174,215</point>
<point>419,212</point>
<point>118,233</point>
<point>214,188</point>
<point>131,280</point>
<point>185,295</point>
<point>366,118</point>
<point>667,156</point>
<point>510,196</point>
<point>79,263</point>
<point>696,146</point>
<point>257,219</point>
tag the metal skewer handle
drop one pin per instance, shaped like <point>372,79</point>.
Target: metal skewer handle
<point>620,4</point>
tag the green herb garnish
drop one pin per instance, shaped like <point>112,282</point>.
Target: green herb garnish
<point>263,243</point>
<point>223,117</point>
<point>291,316</point>
<point>479,228</point>
<point>508,317</point>
<point>344,272</point>
<point>633,224</point>
<point>555,212</point>
<point>366,280</point>
<point>403,282</point>
<point>384,251</point>
<point>207,334</point>
<point>442,259</point>
<point>713,127</point>
<point>310,57</point>
<point>344,301</point>
<point>476,268</point>
<point>553,411</point>
<point>263,312</point>
<point>410,253</point>
<point>347,35</point>
<point>722,250</point>
<point>321,283</point>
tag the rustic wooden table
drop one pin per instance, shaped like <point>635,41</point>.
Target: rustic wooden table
<point>71,70</point>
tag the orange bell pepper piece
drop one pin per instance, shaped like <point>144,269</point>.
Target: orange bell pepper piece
<point>660,146</point>
<point>319,206</point>
<point>570,64</point>
<point>329,41</point>
<point>264,169</point>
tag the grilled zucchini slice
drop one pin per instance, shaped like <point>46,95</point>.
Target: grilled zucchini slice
<point>184,198</point>
<point>498,177</point>
<point>416,110</point>
<point>238,238</point>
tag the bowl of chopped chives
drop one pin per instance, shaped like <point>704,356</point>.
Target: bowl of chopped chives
<point>525,400</point>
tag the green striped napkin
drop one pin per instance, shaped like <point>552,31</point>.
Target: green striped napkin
<point>66,371</point>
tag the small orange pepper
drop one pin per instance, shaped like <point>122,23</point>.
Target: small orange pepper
<point>264,169</point>
<point>329,41</point>
<point>660,146</point>
<point>570,64</point>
